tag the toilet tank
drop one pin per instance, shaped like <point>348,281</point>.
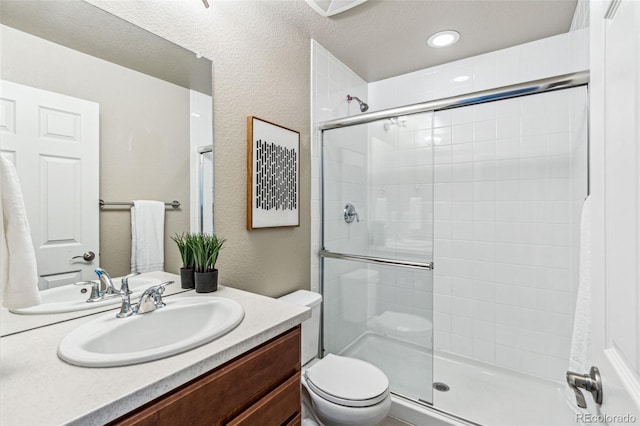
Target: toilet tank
<point>310,327</point>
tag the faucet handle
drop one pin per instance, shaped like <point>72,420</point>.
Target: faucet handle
<point>151,298</point>
<point>124,287</point>
<point>157,295</point>
<point>95,290</point>
<point>349,213</point>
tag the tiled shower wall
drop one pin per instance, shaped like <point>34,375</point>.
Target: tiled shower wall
<point>331,81</point>
<point>504,290</point>
<point>507,179</point>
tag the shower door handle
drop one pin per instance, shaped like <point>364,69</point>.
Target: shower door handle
<point>590,382</point>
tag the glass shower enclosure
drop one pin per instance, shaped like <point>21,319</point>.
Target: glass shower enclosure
<point>377,257</point>
<point>483,190</point>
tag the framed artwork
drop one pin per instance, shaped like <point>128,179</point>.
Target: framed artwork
<point>273,175</point>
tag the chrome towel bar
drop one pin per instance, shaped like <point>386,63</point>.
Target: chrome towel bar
<point>175,204</point>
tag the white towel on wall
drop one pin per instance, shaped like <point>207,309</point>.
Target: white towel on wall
<point>18,266</point>
<point>147,236</point>
<point>580,357</point>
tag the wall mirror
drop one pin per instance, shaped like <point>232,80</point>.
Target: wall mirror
<point>147,134</point>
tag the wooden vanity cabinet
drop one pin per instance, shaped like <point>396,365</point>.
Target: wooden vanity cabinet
<point>260,387</point>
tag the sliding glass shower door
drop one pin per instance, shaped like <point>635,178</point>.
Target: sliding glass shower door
<point>377,248</point>
<point>493,184</point>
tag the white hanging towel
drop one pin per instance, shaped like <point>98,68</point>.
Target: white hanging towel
<point>18,267</point>
<point>580,360</point>
<point>147,236</point>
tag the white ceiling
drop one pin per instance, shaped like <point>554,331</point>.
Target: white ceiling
<point>385,38</point>
<point>378,39</point>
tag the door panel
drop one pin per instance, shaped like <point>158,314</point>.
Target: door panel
<point>615,186</point>
<point>54,142</point>
<point>51,281</point>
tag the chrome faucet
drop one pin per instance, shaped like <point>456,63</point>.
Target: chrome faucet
<point>124,284</point>
<point>150,300</point>
<point>104,287</point>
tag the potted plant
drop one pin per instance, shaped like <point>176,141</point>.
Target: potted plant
<point>205,253</point>
<point>185,247</point>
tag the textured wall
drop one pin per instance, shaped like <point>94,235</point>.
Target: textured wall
<point>261,67</point>
<point>144,135</point>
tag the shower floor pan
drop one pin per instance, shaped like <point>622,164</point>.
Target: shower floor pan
<point>479,392</point>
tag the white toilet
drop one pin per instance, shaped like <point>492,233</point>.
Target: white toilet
<point>342,391</point>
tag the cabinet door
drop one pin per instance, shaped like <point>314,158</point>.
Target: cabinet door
<point>223,394</point>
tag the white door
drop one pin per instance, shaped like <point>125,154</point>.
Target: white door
<point>54,142</point>
<point>615,188</point>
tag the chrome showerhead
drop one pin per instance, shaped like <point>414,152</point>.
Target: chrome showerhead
<point>363,106</point>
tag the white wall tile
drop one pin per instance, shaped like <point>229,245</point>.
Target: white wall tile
<point>462,345</point>
<point>508,357</point>
<point>332,81</point>
<point>484,351</point>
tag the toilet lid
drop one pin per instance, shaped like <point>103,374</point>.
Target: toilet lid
<point>347,381</point>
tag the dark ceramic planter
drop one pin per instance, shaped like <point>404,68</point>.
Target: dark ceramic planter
<point>206,282</point>
<point>187,279</point>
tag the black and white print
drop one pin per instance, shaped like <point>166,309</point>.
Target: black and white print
<point>275,170</point>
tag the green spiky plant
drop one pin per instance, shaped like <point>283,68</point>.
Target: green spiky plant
<point>215,245</point>
<point>205,251</point>
<point>184,242</point>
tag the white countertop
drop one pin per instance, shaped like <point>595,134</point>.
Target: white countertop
<point>38,388</point>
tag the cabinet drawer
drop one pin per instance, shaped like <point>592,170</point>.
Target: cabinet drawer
<point>296,421</point>
<point>278,408</point>
<point>224,393</point>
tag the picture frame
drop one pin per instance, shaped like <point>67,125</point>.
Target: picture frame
<point>273,175</point>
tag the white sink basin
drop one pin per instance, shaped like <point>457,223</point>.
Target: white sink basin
<point>183,324</point>
<point>70,298</point>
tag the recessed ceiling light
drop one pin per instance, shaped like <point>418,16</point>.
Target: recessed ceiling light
<point>460,79</point>
<point>443,38</point>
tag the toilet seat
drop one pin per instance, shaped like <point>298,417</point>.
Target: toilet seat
<point>347,381</point>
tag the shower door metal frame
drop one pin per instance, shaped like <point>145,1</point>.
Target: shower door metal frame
<point>565,81</point>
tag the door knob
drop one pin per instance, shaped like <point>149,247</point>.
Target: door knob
<point>590,382</point>
<point>87,257</point>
